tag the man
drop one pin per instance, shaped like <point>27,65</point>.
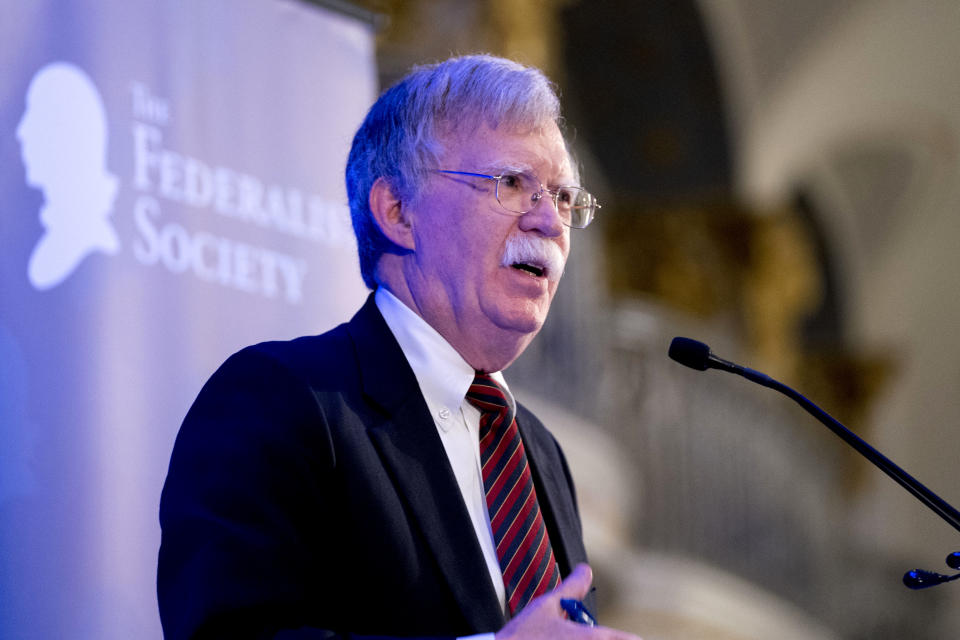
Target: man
<point>371,481</point>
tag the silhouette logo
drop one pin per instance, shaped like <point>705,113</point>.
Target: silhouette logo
<point>63,142</point>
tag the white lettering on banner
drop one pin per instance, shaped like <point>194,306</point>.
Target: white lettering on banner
<point>215,259</point>
<point>148,106</point>
<point>187,180</point>
<point>163,174</point>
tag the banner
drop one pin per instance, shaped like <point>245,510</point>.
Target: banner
<point>171,191</point>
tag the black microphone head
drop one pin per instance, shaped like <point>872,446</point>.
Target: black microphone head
<point>690,353</point>
<point>922,579</point>
<point>953,560</point>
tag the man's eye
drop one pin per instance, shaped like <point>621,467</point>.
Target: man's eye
<point>511,181</point>
<point>565,196</point>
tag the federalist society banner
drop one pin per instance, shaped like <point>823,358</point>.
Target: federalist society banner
<point>171,189</point>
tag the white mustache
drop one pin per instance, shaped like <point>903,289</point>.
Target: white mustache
<point>532,250</point>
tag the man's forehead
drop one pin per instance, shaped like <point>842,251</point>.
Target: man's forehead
<point>530,148</point>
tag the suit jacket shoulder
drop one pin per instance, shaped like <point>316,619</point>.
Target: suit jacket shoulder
<point>308,489</point>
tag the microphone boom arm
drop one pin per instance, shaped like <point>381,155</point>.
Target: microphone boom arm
<point>697,355</point>
<point>934,502</point>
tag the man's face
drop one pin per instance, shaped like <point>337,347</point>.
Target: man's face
<point>459,277</point>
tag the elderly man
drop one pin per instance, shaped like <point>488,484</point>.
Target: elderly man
<point>379,480</point>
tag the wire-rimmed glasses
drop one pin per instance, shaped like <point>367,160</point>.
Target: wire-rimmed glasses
<point>519,192</point>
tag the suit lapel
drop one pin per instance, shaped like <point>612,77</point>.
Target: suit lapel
<point>412,452</point>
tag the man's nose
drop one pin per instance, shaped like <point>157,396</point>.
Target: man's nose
<point>544,217</point>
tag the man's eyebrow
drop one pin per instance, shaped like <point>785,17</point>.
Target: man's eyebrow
<point>506,167</point>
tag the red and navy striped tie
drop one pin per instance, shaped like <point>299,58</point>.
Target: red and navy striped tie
<point>523,546</point>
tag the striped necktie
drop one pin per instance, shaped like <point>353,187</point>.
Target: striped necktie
<point>519,533</point>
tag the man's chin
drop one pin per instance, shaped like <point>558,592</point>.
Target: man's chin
<point>524,321</point>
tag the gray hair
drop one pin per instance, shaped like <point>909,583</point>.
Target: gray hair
<point>400,138</point>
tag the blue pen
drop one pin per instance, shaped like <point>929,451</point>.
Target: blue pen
<point>577,612</point>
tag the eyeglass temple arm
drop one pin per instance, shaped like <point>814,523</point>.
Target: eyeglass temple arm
<point>468,173</point>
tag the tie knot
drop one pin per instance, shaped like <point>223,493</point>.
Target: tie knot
<point>488,396</point>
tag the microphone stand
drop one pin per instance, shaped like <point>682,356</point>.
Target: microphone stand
<point>697,355</point>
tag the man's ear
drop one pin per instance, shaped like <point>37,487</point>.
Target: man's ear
<point>391,216</point>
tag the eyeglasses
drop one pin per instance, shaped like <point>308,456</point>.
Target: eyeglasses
<point>519,193</point>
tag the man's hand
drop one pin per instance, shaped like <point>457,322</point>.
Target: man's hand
<point>543,619</point>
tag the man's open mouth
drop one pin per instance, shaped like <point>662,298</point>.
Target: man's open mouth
<point>529,268</point>
<point>539,258</point>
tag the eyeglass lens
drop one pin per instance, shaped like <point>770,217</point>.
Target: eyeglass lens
<point>520,192</point>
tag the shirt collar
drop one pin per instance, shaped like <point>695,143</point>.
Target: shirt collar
<point>442,373</point>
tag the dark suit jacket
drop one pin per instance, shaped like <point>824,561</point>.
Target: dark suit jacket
<point>309,490</point>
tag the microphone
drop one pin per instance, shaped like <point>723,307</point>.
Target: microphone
<point>697,355</point>
<point>920,579</point>
<point>690,353</point>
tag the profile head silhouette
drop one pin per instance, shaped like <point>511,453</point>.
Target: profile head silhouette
<point>63,142</point>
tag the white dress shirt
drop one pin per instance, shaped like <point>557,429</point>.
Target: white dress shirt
<point>444,378</point>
